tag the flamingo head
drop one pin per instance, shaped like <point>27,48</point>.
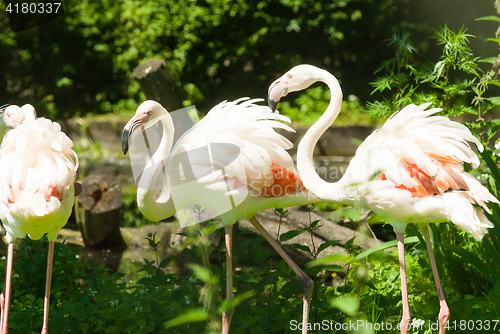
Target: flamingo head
<point>298,78</point>
<point>146,115</point>
<point>13,115</point>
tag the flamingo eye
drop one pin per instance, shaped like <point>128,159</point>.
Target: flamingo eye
<point>150,112</point>
<point>289,76</point>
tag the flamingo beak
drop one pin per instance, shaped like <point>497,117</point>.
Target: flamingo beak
<point>3,107</point>
<point>132,128</point>
<point>277,90</point>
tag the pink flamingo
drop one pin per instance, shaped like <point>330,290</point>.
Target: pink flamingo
<point>37,183</point>
<point>409,171</point>
<point>251,169</point>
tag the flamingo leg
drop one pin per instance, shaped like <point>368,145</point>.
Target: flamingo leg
<point>228,314</point>
<point>47,288</point>
<point>2,305</point>
<point>405,320</point>
<point>8,277</point>
<point>444,311</point>
<point>307,282</point>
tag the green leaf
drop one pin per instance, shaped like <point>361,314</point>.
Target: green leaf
<point>64,82</point>
<point>494,82</point>
<point>492,183</point>
<point>352,213</point>
<point>327,260</point>
<point>233,302</point>
<point>489,60</point>
<point>166,261</point>
<point>349,243</point>
<point>301,247</point>
<point>496,40</point>
<point>290,234</point>
<point>210,228</point>
<point>348,305</point>
<point>203,273</point>
<point>314,224</point>
<point>471,258</point>
<point>489,18</point>
<point>385,245</point>
<point>194,315</point>
<point>486,156</point>
<point>327,244</point>
<point>260,254</point>
<point>332,267</point>
<point>493,253</point>
<point>495,100</point>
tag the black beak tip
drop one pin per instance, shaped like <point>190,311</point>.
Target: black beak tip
<point>125,136</point>
<point>3,107</point>
<point>272,104</point>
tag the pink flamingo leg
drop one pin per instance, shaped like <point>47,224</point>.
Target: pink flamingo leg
<point>8,277</point>
<point>227,315</point>
<point>405,320</point>
<point>307,282</point>
<point>444,311</point>
<point>47,288</point>
<point>2,305</point>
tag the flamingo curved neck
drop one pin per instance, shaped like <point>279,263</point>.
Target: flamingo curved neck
<point>336,191</point>
<point>153,208</point>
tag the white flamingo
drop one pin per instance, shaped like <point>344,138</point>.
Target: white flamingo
<point>37,188</point>
<point>247,166</point>
<point>409,171</point>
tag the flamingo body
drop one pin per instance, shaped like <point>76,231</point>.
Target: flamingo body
<point>408,171</point>
<point>37,187</point>
<point>411,170</point>
<point>37,175</point>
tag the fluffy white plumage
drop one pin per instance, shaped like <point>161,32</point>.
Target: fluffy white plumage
<point>37,188</point>
<point>12,116</point>
<point>251,129</point>
<point>244,157</point>
<point>37,174</point>
<point>409,171</point>
<point>419,158</point>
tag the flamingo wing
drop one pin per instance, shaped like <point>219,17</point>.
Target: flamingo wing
<point>245,153</point>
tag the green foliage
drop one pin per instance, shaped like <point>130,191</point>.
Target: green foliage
<point>132,217</point>
<point>448,82</point>
<point>219,49</point>
<point>94,300</point>
<point>312,103</point>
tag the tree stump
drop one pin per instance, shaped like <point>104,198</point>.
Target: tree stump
<point>158,84</point>
<point>97,212</point>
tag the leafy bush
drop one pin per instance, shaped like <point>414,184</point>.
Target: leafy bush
<point>219,49</point>
<point>93,300</point>
<point>313,102</point>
